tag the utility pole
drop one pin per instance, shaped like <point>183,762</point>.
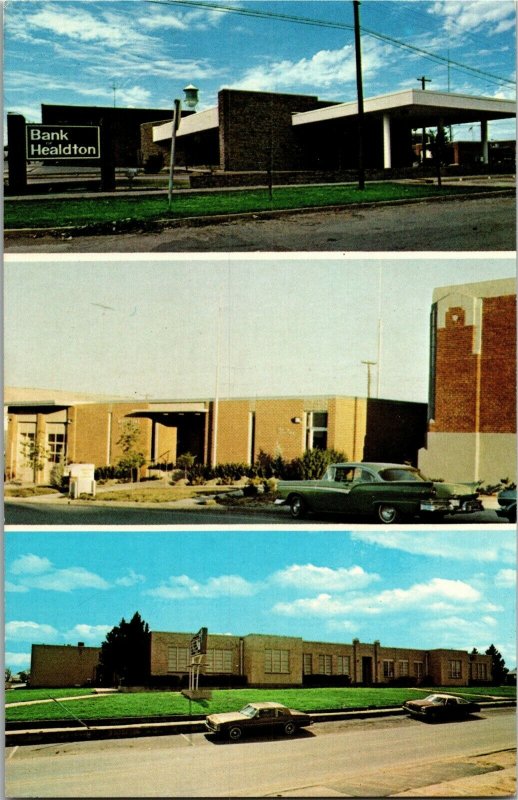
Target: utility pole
<point>359,91</point>
<point>424,81</point>
<point>369,364</point>
<point>114,90</point>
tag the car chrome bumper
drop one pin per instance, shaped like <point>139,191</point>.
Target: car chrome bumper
<point>281,501</point>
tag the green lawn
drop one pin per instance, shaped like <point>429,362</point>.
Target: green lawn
<point>147,704</point>
<point>77,211</point>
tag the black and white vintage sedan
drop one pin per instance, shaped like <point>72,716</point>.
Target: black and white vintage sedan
<point>386,492</point>
<point>441,707</point>
<point>257,718</point>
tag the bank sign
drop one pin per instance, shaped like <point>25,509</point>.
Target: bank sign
<point>62,142</point>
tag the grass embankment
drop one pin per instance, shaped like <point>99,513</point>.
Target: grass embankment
<point>144,494</point>
<point>28,491</point>
<point>151,704</point>
<point>75,211</point>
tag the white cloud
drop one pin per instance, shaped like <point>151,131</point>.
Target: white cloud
<point>18,660</point>
<point>506,579</point>
<point>439,595</point>
<point>326,69</point>
<point>463,632</point>
<point>461,17</point>
<point>35,572</point>
<point>27,631</point>
<point>309,576</point>
<point>88,633</point>
<point>13,587</point>
<point>470,546</point>
<point>30,565</point>
<point>180,587</point>
<point>131,579</point>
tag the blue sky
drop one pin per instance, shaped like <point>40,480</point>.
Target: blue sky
<point>142,53</point>
<point>285,325</point>
<point>406,588</point>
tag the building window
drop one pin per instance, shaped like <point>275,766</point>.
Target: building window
<point>388,669</point>
<point>316,430</point>
<point>178,659</point>
<point>276,661</point>
<point>418,669</point>
<point>308,664</point>
<point>403,668</point>
<point>479,671</point>
<point>56,447</point>
<point>325,665</point>
<point>344,665</point>
<point>455,668</point>
<point>218,661</point>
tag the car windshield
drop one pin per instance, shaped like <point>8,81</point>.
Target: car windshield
<point>248,711</point>
<point>401,474</point>
<point>434,698</point>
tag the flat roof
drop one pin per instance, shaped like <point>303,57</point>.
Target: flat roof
<point>417,105</point>
<point>194,123</point>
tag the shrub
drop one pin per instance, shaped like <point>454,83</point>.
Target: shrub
<point>57,479</point>
<point>312,464</point>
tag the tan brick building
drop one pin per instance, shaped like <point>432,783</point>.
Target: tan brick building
<point>263,660</point>
<point>87,430</point>
<point>472,408</point>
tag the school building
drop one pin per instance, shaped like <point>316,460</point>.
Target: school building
<point>79,429</point>
<point>263,660</point>
<point>472,400</point>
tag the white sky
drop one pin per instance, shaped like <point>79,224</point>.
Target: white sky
<point>288,325</point>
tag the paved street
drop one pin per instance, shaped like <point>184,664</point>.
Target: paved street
<point>359,758</point>
<point>484,224</point>
<point>33,513</point>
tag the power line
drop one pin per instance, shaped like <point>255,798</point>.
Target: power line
<point>249,12</point>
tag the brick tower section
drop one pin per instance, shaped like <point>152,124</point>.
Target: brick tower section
<point>475,370</point>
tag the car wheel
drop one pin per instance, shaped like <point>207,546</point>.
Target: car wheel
<point>235,733</point>
<point>298,508</point>
<point>388,514</point>
<point>289,729</point>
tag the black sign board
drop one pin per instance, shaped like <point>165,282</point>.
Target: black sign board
<point>199,643</point>
<point>62,142</point>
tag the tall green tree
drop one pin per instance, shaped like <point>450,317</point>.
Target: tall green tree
<point>125,653</point>
<point>499,669</point>
<point>132,458</point>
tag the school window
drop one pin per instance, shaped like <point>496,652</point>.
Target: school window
<point>316,430</point>
<point>403,668</point>
<point>388,669</point>
<point>276,661</point>
<point>418,669</point>
<point>455,668</point>
<point>308,664</point>
<point>325,665</point>
<point>55,447</point>
<point>218,661</point>
<point>480,671</point>
<point>343,665</point>
<point>178,659</point>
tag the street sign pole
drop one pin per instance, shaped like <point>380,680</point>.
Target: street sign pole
<point>176,123</point>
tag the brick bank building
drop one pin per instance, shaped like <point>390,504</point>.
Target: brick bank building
<point>262,660</point>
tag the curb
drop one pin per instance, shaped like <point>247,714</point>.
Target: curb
<point>73,733</point>
<point>152,226</point>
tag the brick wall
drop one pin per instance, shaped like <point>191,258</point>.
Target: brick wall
<point>475,368</point>
<point>255,130</point>
<point>63,665</point>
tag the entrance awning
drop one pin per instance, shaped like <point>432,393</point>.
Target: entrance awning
<point>421,108</point>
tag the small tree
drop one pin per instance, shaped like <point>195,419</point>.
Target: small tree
<point>132,459</point>
<point>185,462</point>
<point>35,455</point>
<point>125,654</point>
<point>499,669</point>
